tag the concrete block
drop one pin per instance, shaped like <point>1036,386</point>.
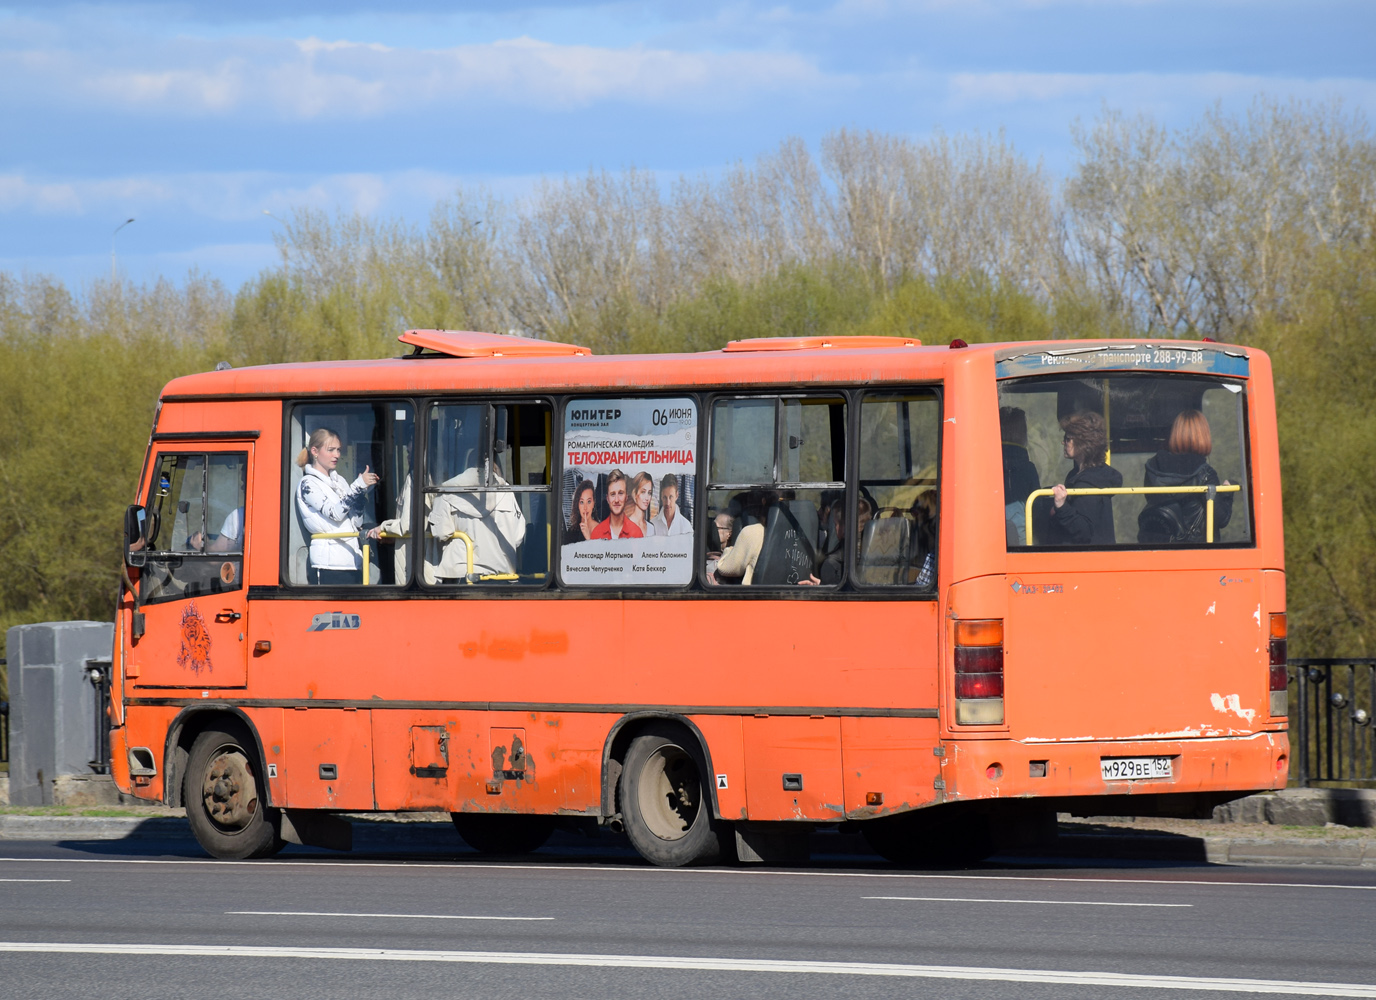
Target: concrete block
<point>1353,806</point>
<point>1251,809</point>
<point>52,704</point>
<point>1298,810</point>
<point>90,790</point>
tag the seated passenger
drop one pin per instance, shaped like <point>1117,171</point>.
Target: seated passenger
<point>724,524</point>
<point>328,505</point>
<point>926,520</point>
<point>1020,477</point>
<point>618,524</point>
<point>738,560</point>
<point>492,520</point>
<point>1181,519</point>
<point>1082,520</point>
<point>834,565</point>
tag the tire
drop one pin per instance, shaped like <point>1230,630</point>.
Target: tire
<point>937,837</point>
<point>499,833</point>
<point>222,800</point>
<point>665,802</point>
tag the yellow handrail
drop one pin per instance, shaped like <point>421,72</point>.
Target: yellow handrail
<point>1115,490</point>
<point>367,549</point>
<point>468,547</point>
<point>486,577</point>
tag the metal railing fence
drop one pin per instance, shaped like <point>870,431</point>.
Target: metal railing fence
<point>98,673</point>
<point>1332,702</point>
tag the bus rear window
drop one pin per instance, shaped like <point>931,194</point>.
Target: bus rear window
<point>1155,461</point>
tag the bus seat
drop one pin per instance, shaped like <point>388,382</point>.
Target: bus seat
<point>788,553</point>
<point>884,551</point>
<point>298,566</point>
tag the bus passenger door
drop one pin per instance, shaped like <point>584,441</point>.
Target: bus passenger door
<point>192,612</point>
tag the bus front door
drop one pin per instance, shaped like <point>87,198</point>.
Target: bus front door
<point>191,624</point>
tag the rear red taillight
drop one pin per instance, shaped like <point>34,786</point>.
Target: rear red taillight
<point>979,672</point>
<point>1280,680</point>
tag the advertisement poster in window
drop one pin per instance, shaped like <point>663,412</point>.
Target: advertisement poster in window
<point>628,492</point>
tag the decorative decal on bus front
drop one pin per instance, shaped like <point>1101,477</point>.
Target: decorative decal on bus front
<point>333,619</point>
<point>195,651</point>
<point>629,489</point>
<point>1011,362</point>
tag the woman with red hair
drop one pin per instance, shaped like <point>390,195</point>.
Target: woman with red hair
<point>1175,519</point>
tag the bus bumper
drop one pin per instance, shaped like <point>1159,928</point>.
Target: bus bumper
<point>1000,769</point>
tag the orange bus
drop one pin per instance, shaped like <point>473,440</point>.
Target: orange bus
<point>935,594</point>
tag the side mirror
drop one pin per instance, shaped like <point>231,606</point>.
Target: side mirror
<point>136,535</point>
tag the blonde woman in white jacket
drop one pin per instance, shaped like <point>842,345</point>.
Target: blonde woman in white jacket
<point>329,505</point>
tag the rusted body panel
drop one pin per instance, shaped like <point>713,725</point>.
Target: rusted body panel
<point>422,706</point>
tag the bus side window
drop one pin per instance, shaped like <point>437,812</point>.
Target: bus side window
<point>777,478</point>
<point>350,482</point>
<point>899,501</point>
<point>487,475</point>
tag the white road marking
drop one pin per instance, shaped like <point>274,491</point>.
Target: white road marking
<point>35,880</point>
<point>641,871</point>
<point>395,916</point>
<point>696,964</point>
<point>1041,902</point>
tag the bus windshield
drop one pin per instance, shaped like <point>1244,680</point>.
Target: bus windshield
<point>1124,461</point>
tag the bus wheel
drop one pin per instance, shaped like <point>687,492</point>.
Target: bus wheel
<point>222,801</point>
<point>665,805</point>
<point>489,833</point>
<point>919,840</point>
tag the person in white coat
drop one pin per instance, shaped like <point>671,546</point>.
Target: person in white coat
<point>490,518</point>
<point>327,504</point>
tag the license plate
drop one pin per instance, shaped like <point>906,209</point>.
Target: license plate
<point>1134,768</point>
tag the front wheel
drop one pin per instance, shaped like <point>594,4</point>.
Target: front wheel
<point>665,805</point>
<point>222,798</point>
<point>503,833</point>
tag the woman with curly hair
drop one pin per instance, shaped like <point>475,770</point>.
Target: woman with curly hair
<point>1083,520</point>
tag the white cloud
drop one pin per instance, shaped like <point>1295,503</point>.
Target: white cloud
<point>1141,89</point>
<point>224,196</point>
<point>314,78</point>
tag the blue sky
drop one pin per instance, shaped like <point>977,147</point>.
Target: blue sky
<point>193,117</point>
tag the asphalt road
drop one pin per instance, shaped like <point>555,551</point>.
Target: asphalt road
<point>158,919</point>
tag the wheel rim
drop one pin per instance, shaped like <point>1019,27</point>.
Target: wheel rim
<point>670,792</point>
<point>229,791</point>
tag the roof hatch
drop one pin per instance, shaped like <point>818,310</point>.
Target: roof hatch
<point>468,344</point>
<point>814,343</point>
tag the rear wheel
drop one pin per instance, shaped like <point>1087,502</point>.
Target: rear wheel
<point>665,804</point>
<point>498,833</point>
<point>223,802</point>
<point>938,837</point>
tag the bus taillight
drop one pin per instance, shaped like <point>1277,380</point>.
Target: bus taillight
<point>979,672</point>
<point>1280,701</point>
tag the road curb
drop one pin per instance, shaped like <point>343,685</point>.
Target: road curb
<point>93,828</point>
